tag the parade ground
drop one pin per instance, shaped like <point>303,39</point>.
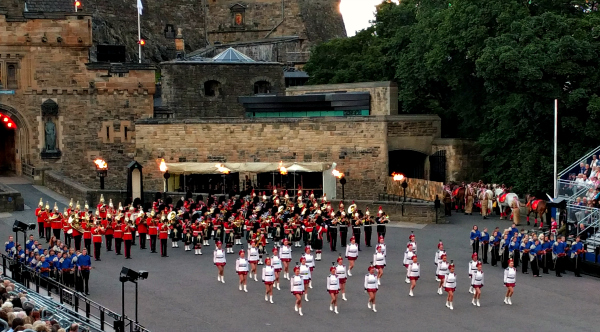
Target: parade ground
<point>182,292</point>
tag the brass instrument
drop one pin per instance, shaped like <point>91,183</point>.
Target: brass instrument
<point>171,216</point>
<point>351,209</point>
<point>76,224</point>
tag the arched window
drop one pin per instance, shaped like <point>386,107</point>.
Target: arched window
<point>212,88</point>
<point>11,76</point>
<point>262,87</point>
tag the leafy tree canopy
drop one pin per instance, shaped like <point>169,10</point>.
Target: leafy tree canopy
<point>491,70</point>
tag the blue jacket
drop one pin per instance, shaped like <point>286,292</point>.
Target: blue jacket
<point>475,235</point>
<point>559,248</point>
<point>485,236</point>
<point>576,246</point>
<point>513,246</point>
<point>84,260</point>
<point>30,245</point>
<point>44,264</point>
<point>67,263</point>
<point>538,248</point>
<point>8,247</point>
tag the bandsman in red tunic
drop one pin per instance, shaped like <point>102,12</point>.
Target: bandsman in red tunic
<point>128,230</point>
<point>56,222</point>
<point>41,215</point>
<point>97,233</point>
<point>118,234</point>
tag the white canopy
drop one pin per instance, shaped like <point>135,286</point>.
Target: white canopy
<point>211,168</point>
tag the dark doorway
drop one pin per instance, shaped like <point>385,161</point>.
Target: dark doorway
<point>7,150</point>
<point>210,183</point>
<point>438,166</point>
<point>407,162</point>
<point>308,181</point>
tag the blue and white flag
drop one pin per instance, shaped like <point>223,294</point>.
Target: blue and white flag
<point>140,7</point>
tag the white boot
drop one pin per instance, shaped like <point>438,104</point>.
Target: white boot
<point>295,307</point>
<point>451,307</point>
<point>255,279</point>
<point>369,305</point>
<point>440,290</point>
<point>479,305</point>
<point>305,297</point>
<point>335,310</point>
<point>199,251</point>
<point>410,293</point>
<point>374,309</point>
<point>407,280</point>
<point>379,281</point>
<point>349,273</point>
<point>245,289</point>
<point>330,307</point>
<point>300,311</point>
<point>266,298</point>
<point>310,284</point>
<point>509,301</point>
<point>447,304</point>
<point>473,302</point>
<point>505,300</point>
<point>240,287</point>
<point>278,286</point>
<point>218,277</point>
<point>223,279</point>
<point>271,299</point>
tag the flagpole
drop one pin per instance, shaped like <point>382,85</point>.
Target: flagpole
<point>555,146</point>
<point>139,38</point>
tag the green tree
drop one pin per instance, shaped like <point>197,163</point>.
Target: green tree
<point>491,70</point>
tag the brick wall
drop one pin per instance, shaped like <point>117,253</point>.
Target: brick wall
<point>417,188</point>
<point>183,87</point>
<point>463,159</point>
<point>358,146</point>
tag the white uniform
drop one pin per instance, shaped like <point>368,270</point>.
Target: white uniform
<point>414,246</point>
<point>253,255</point>
<point>310,260</point>
<point>340,271</point>
<point>333,283</point>
<point>450,280</point>
<point>241,265</point>
<point>352,251</point>
<point>268,274</point>
<point>378,259</point>
<point>219,256</point>
<point>414,270</point>
<point>472,268</point>
<point>408,257</point>
<point>477,279</point>
<point>305,272</point>
<point>285,252</point>
<point>438,256</point>
<point>296,284</point>
<point>383,248</point>
<point>276,263</point>
<point>371,281</point>
<point>510,275</point>
<point>442,269</point>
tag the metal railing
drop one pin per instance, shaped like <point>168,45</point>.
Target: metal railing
<point>93,316</point>
<point>28,170</point>
<point>573,167</point>
<point>571,190</point>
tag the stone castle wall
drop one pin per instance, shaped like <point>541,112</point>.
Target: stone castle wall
<point>183,87</point>
<point>357,145</point>
<point>95,105</point>
<point>463,159</point>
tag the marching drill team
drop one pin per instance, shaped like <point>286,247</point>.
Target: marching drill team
<point>290,222</point>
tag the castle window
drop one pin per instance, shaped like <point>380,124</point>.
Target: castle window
<point>262,87</point>
<point>212,88</point>
<point>11,76</point>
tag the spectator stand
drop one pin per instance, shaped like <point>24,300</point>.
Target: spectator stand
<point>63,304</point>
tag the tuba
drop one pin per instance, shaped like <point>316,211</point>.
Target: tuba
<point>352,209</point>
<point>171,216</point>
<point>76,224</point>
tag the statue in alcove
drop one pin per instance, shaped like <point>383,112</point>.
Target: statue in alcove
<point>50,137</point>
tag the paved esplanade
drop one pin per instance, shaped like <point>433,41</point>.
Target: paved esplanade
<point>182,291</point>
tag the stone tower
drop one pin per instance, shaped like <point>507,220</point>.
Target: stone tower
<point>204,22</point>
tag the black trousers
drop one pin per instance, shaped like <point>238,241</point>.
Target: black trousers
<point>549,262</point>
<point>356,234</point>
<point>525,262</point>
<point>128,248</point>
<point>368,232</point>
<point>68,238</point>
<point>486,247</point>
<point>535,266</point>
<point>97,247</point>
<point>505,258</point>
<point>88,244</point>
<point>516,254</point>
<point>475,246</point>
<point>495,255</point>
<point>133,239</point>
<point>332,232</point>
<point>118,242</point>
<point>343,236</point>
<point>109,239</point>
<point>577,265</point>
<point>56,233</point>
<point>67,278</point>
<point>153,243</point>
<point>77,239</point>
<point>380,232</point>
<point>79,281</point>
<point>85,274</point>
<point>48,233</point>
<point>163,247</point>
<point>558,267</point>
<point>143,240</point>
<point>40,230</point>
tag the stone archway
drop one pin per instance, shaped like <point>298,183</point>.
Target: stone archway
<point>14,142</point>
<point>411,163</point>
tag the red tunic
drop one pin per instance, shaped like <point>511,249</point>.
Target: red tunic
<point>127,232</point>
<point>102,210</point>
<point>118,230</point>
<point>97,235</point>
<point>87,234</point>
<point>152,228</point>
<point>39,215</point>
<point>46,219</point>
<point>108,230</point>
<point>164,231</point>
<point>56,222</point>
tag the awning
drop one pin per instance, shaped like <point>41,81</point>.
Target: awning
<point>210,168</point>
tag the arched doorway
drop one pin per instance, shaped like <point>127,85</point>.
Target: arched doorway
<point>408,162</point>
<point>14,142</point>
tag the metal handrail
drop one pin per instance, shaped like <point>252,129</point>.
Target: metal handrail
<point>592,224</point>
<point>77,298</point>
<point>579,187</point>
<point>583,159</point>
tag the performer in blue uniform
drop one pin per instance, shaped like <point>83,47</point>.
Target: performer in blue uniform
<point>84,264</point>
<point>559,252</point>
<point>577,251</point>
<point>485,242</point>
<point>475,236</point>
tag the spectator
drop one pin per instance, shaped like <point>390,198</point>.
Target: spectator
<point>588,170</point>
<point>595,161</point>
<point>581,168</point>
<point>74,327</point>
<point>16,323</point>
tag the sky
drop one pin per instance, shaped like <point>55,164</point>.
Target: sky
<point>358,13</point>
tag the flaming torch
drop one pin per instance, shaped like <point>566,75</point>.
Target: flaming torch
<point>102,170</point>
